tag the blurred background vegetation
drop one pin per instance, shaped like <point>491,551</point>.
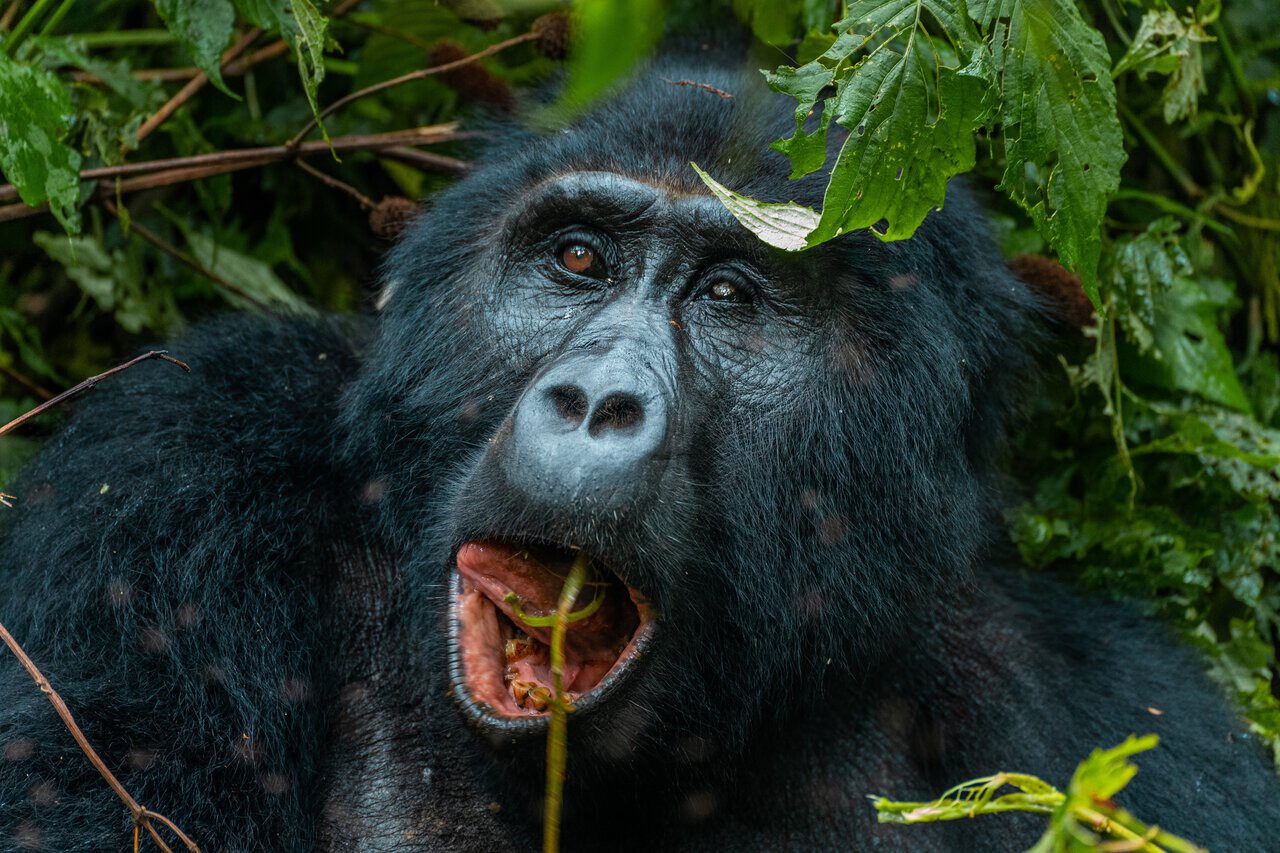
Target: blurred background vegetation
<point>1150,466</point>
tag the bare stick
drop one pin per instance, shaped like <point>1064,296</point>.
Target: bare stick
<point>26,382</point>
<point>420,74</point>
<point>141,815</point>
<point>427,160</point>
<point>222,162</point>
<point>6,20</point>
<point>87,385</point>
<point>706,87</point>
<point>424,135</point>
<point>342,186</point>
<point>195,84</point>
<point>183,258</point>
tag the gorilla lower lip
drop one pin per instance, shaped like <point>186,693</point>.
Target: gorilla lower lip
<point>506,662</point>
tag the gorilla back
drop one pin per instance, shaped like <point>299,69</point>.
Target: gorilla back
<point>294,598</point>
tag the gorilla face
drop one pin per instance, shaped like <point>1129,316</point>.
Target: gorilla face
<point>644,325</point>
<point>768,458</point>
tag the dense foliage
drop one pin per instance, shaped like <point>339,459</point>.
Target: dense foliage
<point>1151,466</point>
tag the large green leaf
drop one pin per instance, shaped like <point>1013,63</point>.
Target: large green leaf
<point>35,114</point>
<point>1062,143</point>
<point>910,106</point>
<point>203,28</point>
<point>599,56</point>
<point>911,121</point>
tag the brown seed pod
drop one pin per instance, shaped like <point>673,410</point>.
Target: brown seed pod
<point>471,81</point>
<point>389,216</point>
<point>1058,285</point>
<point>552,30</point>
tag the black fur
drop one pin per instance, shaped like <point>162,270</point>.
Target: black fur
<point>237,579</point>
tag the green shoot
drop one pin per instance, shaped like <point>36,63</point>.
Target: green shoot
<point>1082,818</point>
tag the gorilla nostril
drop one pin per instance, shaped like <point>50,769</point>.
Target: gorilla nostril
<point>618,411</point>
<point>570,403</point>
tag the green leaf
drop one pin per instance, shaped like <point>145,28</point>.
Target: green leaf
<point>910,105</point>
<point>86,262</point>
<point>203,28</point>
<point>302,26</point>
<point>27,342</point>
<point>113,279</point>
<point>786,226</point>
<point>911,118</point>
<point>1168,44</point>
<point>1189,352</point>
<point>35,115</point>
<point>1107,771</point>
<point>1062,142</point>
<point>248,273</point>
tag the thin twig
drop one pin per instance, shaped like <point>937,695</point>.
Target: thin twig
<point>87,385</point>
<point>193,85</point>
<point>423,135</point>
<point>26,382</point>
<point>561,706</point>
<point>222,162</point>
<point>342,186</point>
<point>706,87</point>
<point>141,815</point>
<point>420,74</point>
<point>426,160</point>
<point>183,258</point>
<point>6,20</point>
<point>232,69</point>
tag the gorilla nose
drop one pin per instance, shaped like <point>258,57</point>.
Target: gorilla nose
<point>588,429</point>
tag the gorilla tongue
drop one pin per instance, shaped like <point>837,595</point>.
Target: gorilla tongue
<point>494,573</point>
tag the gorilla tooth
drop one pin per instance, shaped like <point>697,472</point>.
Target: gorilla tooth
<point>518,648</point>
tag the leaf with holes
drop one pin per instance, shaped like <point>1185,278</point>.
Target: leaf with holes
<point>910,106</point>
<point>1168,44</point>
<point>302,26</point>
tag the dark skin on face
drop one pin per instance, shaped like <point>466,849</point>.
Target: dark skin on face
<point>643,310</point>
<point>592,252</point>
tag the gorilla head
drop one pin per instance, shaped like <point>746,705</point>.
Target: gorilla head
<point>770,458</point>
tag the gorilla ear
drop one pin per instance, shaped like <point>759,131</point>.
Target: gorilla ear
<point>1057,286</point>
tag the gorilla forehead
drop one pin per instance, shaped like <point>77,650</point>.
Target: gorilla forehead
<point>634,201</point>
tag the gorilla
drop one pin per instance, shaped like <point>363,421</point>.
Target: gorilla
<point>291,597</point>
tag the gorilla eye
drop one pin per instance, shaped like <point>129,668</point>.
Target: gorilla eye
<point>727,286</point>
<point>578,258</point>
<point>723,290</point>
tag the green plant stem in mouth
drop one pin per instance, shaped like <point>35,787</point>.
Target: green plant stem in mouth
<point>557,733</point>
<point>550,621</point>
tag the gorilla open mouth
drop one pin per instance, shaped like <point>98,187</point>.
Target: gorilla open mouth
<point>502,664</point>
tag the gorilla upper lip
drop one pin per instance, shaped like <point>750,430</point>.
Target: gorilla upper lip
<point>501,662</point>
